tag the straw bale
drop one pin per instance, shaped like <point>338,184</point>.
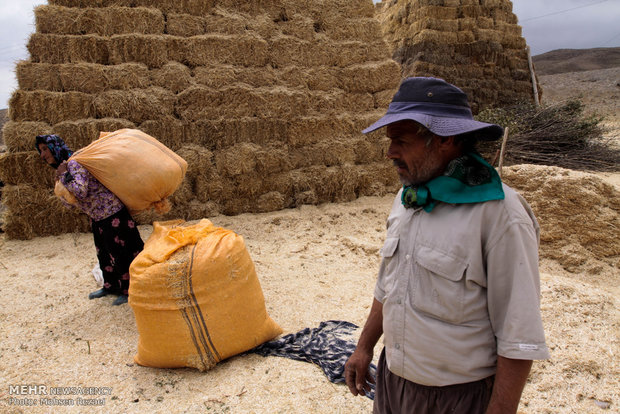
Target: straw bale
<point>362,29</point>
<point>331,151</point>
<point>511,41</point>
<point>238,159</point>
<point>94,78</point>
<point>127,76</point>
<point>90,3</point>
<point>436,36</point>
<point>371,77</point>
<point>297,77</point>
<point>353,52</point>
<point>246,50</point>
<point>316,79</point>
<point>227,22</point>
<point>272,201</point>
<point>168,130</point>
<point>50,107</point>
<point>227,75</point>
<point>296,25</point>
<point>195,7</point>
<point>52,48</point>
<point>509,28</point>
<point>38,212</point>
<point>215,76</point>
<point>83,77</point>
<point>223,133</point>
<point>473,11</point>
<point>194,210</point>
<point>345,8</point>
<point>25,168</point>
<point>19,136</point>
<point>368,151</point>
<point>200,161</point>
<point>312,129</point>
<point>485,22</point>
<point>204,180</point>
<point>262,25</point>
<point>253,7</point>
<point>286,51</point>
<point>378,179</point>
<point>436,12</point>
<point>78,134</point>
<point>273,158</point>
<point>185,25</point>
<point>136,105</point>
<point>488,35</point>
<point>101,21</point>
<point>173,76</point>
<point>383,98</point>
<point>198,102</point>
<point>467,23</point>
<point>504,16</point>
<point>435,24</point>
<point>34,76</point>
<point>338,101</point>
<point>151,50</point>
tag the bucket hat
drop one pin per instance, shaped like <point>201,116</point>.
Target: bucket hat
<point>438,105</point>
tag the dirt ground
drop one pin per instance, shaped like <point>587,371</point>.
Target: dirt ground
<point>315,263</point>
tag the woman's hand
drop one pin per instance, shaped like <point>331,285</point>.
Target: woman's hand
<point>61,170</point>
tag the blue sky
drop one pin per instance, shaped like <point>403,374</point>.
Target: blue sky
<point>547,25</point>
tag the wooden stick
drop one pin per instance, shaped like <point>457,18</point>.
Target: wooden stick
<point>502,151</point>
<point>533,74</point>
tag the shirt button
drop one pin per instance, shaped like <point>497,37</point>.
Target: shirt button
<point>399,301</point>
<point>408,257</point>
<point>397,346</point>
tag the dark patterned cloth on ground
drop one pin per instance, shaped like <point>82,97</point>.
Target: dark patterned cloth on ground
<point>329,346</point>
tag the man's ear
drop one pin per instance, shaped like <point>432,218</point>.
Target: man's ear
<point>449,146</point>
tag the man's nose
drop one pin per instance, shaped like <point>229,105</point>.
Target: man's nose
<point>391,152</point>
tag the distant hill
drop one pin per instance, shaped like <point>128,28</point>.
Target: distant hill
<point>576,60</point>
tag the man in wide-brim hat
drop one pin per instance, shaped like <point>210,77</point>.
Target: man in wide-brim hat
<point>457,295</point>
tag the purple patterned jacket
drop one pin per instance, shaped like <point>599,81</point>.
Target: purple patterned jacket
<point>93,197</point>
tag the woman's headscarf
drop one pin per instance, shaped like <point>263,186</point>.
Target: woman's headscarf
<point>57,147</point>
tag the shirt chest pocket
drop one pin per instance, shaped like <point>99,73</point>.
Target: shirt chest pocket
<point>389,262</point>
<point>438,288</point>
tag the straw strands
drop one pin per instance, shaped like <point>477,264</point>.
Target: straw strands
<point>265,99</point>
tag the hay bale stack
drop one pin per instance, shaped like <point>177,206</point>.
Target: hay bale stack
<point>476,45</point>
<point>265,99</point>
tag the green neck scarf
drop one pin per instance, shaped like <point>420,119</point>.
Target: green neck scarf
<point>467,179</point>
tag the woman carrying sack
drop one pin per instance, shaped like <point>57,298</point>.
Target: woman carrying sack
<point>116,235</point>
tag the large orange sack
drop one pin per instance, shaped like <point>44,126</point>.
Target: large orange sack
<point>139,169</point>
<point>196,297</point>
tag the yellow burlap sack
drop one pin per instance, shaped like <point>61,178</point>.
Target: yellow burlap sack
<point>64,194</point>
<point>140,170</point>
<point>196,297</point>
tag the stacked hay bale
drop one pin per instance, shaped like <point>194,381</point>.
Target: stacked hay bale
<point>475,44</point>
<point>265,99</point>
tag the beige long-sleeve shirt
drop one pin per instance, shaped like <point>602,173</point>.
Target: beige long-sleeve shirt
<point>459,286</point>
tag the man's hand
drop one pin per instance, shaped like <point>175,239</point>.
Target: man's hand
<point>356,372</point>
<point>61,170</point>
